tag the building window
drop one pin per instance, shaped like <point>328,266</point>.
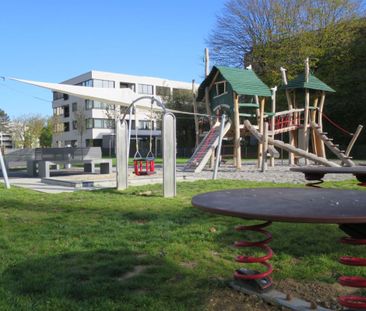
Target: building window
<point>89,123</point>
<point>75,125</point>
<point>58,127</point>
<point>144,125</point>
<point>88,104</point>
<point>66,126</point>
<point>66,111</point>
<point>162,91</point>
<point>88,83</point>
<point>97,83</point>
<point>58,111</point>
<point>126,85</point>
<point>103,83</point>
<point>74,107</point>
<point>57,95</point>
<point>220,88</point>
<point>145,89</point>
<point>100,123</point>
<point>93,104</point>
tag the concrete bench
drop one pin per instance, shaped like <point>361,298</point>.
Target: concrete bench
<point>105,166</point>
<point>44,167</point>
<point>18,158</point>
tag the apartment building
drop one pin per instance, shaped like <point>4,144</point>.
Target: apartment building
<point>97,127</point>
<point>6,141</point>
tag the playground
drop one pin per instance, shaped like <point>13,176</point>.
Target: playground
<point>151,247</point>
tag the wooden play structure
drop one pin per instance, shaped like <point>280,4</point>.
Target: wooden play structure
<point>241,95</point>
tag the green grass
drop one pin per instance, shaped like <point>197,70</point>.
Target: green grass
<point>72,251</point>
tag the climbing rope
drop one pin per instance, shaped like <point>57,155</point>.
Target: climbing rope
<point>336,125</point>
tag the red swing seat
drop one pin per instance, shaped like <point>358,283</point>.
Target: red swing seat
<point>149,164</point>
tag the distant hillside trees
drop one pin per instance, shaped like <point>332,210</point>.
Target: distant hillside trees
<point>331,32</point>
<point>245,25</point>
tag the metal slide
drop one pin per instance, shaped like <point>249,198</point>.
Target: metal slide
<point>204,150</point>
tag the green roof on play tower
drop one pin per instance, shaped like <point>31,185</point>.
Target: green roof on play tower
<point>242,81</point>
<point>313,84</point>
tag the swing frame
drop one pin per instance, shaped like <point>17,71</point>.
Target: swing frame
<point>149,159</point>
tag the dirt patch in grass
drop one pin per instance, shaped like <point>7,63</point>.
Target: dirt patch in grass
<point>231,300</point>
<point>323,294</point>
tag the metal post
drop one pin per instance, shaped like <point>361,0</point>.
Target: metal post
<point>218,150</point>
<point>169,155</point>
<point>121,155</point>
<point>129,131</point>
<point>3,168</point>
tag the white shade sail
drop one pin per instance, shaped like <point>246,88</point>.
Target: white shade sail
<point>121,97</point>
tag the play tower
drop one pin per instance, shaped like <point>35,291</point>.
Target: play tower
<point>251,109</point>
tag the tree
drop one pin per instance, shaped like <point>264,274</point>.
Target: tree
<point>80,119</point>
<point>4,121</point>
<point>45,139</point>
<point>245,25</point>
<point>26,130</point>
<point>185,127</point>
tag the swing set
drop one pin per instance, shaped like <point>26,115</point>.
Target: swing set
<point>138,160</point>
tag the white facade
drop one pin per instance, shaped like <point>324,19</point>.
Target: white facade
<point>6,141</point>
<point>69,110</point>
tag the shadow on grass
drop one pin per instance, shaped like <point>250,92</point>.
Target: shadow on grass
<point>95,277</point>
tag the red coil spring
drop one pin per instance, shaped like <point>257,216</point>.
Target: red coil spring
<point>260,244</point>
<point>354,302</point>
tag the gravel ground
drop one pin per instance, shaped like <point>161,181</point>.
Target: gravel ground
<point>279,174</point>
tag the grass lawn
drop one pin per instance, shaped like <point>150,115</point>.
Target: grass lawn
<point>106,250</point>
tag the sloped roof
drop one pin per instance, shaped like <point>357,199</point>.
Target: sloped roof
<point>314,83</point>
<point>243,82</point>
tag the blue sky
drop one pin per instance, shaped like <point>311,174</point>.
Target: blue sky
<point>50,40</point>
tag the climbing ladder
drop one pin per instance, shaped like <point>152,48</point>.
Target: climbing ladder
<point>204,150</point>
<point>332,147</point>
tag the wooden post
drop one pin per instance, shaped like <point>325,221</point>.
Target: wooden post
<point>207,62</point>
<point>306,123</point>
<point>290,104</point>
<point>237,149</point>
<point>353,140</point>
<point>265,147</point>
<point>320,124</point>
<point>207,100</point>
<point>314,137</point>
<point>261,125</point>
<point>274,90</point>
<point>196,125</point>
<point>307,69</point>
